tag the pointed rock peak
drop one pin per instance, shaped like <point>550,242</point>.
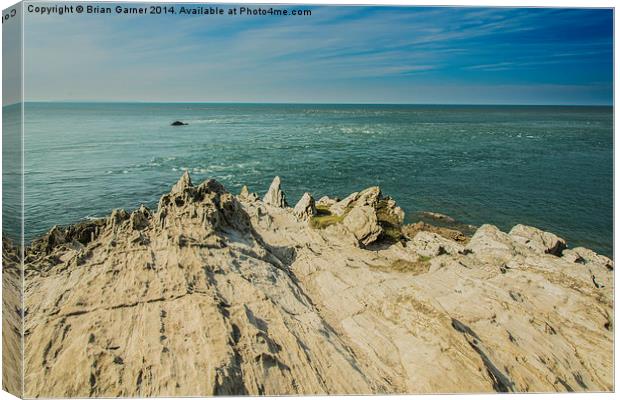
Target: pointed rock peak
<point>305,208</point>
<point>183,183</point>
<point>246,195</point>
<point>370,196</point>
<point>276,182</point>
<point>119,214</point>
<point>245,192</point>
<point>275,196</point>
<point>139,219</point>
<point>144,209</point>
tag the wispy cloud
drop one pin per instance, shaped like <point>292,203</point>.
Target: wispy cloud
<point>337,54</point>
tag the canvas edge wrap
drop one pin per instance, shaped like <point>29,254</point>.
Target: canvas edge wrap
<point>12,201</point>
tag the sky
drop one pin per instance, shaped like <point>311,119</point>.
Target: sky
<point>337,55</point>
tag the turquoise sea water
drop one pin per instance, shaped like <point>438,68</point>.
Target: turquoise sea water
<point>550,167</point>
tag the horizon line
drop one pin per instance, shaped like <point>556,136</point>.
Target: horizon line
<point>310,103</point>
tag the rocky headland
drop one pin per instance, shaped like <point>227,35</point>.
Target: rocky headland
<point>214,293</point>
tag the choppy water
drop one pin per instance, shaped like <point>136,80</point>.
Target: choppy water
<point>550,167</point>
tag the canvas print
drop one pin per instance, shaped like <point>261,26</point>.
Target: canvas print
<point>260,199</point>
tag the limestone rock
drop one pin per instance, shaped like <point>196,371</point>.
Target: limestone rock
<point>490,241</point>
<point>117,217</point>
<point>55,237</point>
<point>430,244</point>
<point>362,222</point>
<point>184,183</point>
<point>389,212</point>
<point>585,256</point>
<point>12,316</point>
<point>245,192</point>
<point>326,201</point>
<point>340,207</point>
<point>246,195</point>
<point>305,208</point>
<point>275,196</point>
<point>139,219</point>
<point>411,231</point>
<point>213,295</point>
<point>538,240</point>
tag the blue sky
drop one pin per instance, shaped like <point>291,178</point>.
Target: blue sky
<point>337,55</point>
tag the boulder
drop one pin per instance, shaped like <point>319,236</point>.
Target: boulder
<point>363,224</point>
<point>369,197</point>
<point>538,240</point>
<point>492,242</point>
<point>275,196</point>
<point>340,207</point>
<point>581,255</point>
<point>305,208</point>
<point>411,230</point>
<point>389,212</point>
<point>430,244</point>
<point>326,201</point>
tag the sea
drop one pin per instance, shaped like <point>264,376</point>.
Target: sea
<point>550,167</point>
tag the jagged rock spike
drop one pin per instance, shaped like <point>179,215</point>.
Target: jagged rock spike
<point>275,196</point>
<point>183,183</point>
<point>305,207</point>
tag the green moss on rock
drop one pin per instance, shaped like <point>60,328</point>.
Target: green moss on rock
<point>325,218</point>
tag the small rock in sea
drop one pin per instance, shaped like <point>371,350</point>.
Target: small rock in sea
<point>438,216</point>
<point>178,123</point>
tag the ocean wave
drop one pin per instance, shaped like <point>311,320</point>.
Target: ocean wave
<point>93,217</point>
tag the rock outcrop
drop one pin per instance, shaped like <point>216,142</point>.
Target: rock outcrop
<point>305,207</point>
<point>246,195</point>
<point>275,196</point>
<point>326,201</point>
<point>183,183</point>
<point>538,240</point>
<point>363,223</point>
<point>411,230</point>
<point>212,293</point>
<point>12,317</point>
<point>429,244</point>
